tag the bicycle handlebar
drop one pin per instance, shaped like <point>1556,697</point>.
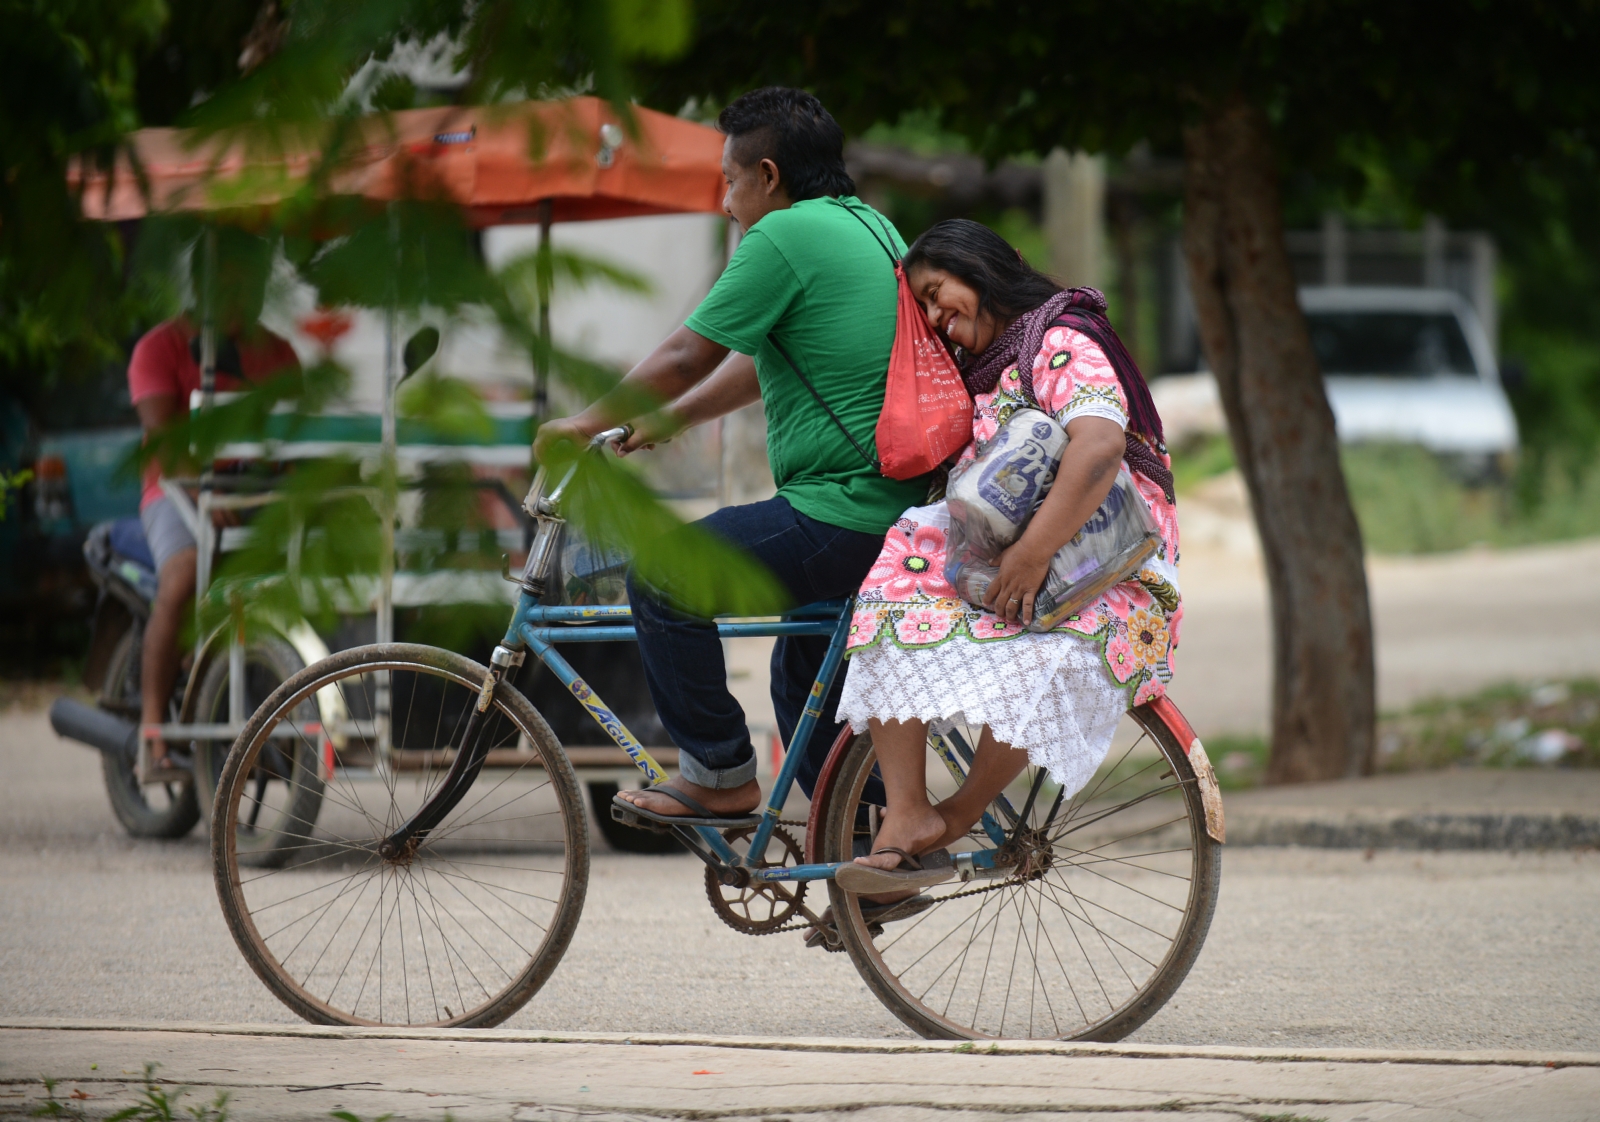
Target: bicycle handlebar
<point>549,504</point>
<point>601,439</point>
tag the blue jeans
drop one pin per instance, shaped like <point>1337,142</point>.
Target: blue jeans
<point>682,655</point>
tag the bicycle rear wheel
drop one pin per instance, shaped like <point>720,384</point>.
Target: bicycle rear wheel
<point>460,931</point>
<point>1085,938</point>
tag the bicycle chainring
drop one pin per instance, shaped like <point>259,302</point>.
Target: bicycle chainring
<point>759,908</point>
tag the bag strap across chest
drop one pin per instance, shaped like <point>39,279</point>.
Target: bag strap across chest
<point>772,337</point>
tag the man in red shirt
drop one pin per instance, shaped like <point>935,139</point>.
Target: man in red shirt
<point>162,373</point>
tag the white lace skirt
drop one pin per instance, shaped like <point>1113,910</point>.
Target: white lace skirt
<point>1050,694</point>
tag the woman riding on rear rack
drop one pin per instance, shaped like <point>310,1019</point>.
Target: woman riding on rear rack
<point>920,655</point>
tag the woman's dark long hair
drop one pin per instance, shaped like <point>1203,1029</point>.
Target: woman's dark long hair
<point>1006,285</point>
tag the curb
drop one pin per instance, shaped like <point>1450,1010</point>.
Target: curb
<point>1477,1058</point>
<point>1410,830</point>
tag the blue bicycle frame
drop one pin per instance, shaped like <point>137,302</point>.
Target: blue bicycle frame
<point>538,629</point>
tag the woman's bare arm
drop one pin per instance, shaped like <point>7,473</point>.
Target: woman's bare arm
<point>1088,469</point>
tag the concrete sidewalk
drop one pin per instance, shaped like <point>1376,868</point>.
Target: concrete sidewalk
<point>289,1073</point>
<point>1477,808</point>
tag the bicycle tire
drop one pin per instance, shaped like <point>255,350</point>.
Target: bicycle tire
<point>174,811</point>
<point>533,853</point>
<point>886,957</point>
<point>269,662</point>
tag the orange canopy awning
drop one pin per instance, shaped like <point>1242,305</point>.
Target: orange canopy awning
<point>480,158</point>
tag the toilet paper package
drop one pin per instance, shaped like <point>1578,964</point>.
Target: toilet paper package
<point>993,497</point>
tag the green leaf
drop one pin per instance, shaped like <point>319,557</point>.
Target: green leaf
<point>650,28</point>
<point>452,406</point>
<point>693,569</point>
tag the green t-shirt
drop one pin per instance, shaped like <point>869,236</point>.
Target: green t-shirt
<point>817,279</point>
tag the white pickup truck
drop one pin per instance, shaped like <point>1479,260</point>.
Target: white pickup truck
<point>1410,365</point>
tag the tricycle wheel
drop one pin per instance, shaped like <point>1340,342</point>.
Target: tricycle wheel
<point>158,810</point>
<point>292,764</point>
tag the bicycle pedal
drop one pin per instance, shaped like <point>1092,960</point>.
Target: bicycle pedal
<point>827,938</point>
<point>637,822</point>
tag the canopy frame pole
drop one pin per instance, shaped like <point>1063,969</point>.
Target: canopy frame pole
<point>543,275</point>
<point>207,299</point>
<point>388,471</point>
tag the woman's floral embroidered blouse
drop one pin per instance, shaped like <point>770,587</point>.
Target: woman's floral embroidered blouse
<point>906,600</point>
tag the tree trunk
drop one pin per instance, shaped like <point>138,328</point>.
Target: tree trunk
<point>1256,341</point>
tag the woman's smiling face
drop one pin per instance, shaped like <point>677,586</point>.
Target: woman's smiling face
<point>951,306</point>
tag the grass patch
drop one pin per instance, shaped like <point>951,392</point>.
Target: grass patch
<point>1549,724</point>
<point>155,1104</point>
<point>1199,460</point>
<point>1503,726</point>
<point>1240,761</point>
<point>1410,501</point>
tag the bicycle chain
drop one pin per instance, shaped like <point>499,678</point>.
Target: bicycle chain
<point>813,920</point>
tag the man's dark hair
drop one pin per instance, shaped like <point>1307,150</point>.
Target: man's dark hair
<point>793,130</point>
<point>1007,286</point>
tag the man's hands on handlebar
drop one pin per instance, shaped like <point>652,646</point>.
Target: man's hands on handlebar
<point>687,371</point>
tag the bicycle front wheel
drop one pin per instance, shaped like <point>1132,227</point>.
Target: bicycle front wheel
<point>1088,931</point>
<point>460,930</point>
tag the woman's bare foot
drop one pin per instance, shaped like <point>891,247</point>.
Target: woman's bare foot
<point>729,802</point>
<point>914,829</point>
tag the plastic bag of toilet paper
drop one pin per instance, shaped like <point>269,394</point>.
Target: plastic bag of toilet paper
<point>992,498</point>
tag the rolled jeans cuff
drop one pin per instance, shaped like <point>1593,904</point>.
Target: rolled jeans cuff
<point>718,779</point>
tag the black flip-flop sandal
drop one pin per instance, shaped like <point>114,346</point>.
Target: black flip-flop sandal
<point>630,814</point>
<point>931,868</point>
<point>826,935</point>
<point>167,771</point>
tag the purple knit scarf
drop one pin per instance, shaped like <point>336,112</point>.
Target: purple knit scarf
<point>1082,309</point>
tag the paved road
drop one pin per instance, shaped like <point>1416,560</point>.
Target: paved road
<point>1309,948</point>
<point>301,1075</point>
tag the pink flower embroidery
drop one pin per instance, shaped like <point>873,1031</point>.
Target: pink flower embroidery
<point>1119,599</point>
<point>990,626</point>
<point>865,626</point>
<point>1149,691</point>
<point>921,627</point>
<point>910,564</point>
<point>1087,621</point>
<point>1119,656</point>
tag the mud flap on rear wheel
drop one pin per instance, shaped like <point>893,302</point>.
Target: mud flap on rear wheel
<point>1204,773</point>
<point>1210,793</point>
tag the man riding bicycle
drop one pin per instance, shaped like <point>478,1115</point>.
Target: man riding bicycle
<point>810,282</point>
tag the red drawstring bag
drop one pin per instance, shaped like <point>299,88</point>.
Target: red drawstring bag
<point>927,415</point>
